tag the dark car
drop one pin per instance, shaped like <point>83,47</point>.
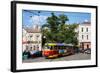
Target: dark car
<point>26,55</point>
<point>35,54</point>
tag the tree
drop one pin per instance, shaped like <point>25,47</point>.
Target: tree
<point>71,35</point>
<point>63,19</point>
<point>53,22</point>
<point>57,31</point>
<point>52,25</point>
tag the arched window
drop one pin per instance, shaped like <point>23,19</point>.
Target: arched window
<point>87,37</point>
<point>82,29</point>
<point>87,45</point>
<point>82,36</point>
<point>87,29</point>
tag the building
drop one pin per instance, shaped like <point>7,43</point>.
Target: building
<point>32,38</point>
<point>24,39</point>
<point>84,35</point>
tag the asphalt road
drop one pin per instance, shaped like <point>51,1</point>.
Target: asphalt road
<point>79,56</point>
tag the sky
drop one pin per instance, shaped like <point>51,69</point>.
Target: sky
<point>33,17</point>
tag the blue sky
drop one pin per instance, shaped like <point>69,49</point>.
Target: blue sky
<point>32,17</point>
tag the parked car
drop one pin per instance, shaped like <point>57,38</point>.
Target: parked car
<point>26,55</point>
<point>82,51</point>
<point>87,51</point>
<point>35,53</point>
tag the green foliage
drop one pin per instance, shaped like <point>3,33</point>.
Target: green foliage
<point>57,31</point>
<point>63,19</point>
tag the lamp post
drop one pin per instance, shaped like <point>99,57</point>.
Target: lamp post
<point>43,40</point>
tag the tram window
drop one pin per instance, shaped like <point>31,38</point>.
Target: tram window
<point>59,47</point>
<point>63,47</point>
<point>51,48</point>
<point>55,47</point>
<point>45,47</point>
<point>66,47</point>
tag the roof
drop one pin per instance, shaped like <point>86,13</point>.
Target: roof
<point>32,30</point>
<point>86,23</point>
<point>60,44</point>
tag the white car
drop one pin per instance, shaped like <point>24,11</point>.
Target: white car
<point>87,51</point>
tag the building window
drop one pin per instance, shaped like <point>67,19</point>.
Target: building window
<point>37,47</point>
<point>82,29</point>
<point>37,36</point>
<point>26,47</point>
<point>34,47</point>
<point>82,36</point>
<point>86,29</point>
<point>31,48</point>
<point>31,36</point>
<point>87,37</point>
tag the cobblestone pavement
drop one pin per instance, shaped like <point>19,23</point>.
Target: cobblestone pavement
<point>79,56</point>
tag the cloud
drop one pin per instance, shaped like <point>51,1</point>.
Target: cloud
<point>38,19</point>
<point>43,18</point>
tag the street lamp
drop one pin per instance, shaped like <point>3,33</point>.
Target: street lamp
<point>44,37</point>
<point>43,40</point>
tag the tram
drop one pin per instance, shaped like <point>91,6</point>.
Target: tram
<point>54,50</point>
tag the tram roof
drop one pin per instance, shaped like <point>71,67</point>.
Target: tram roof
<point>59,44</point>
